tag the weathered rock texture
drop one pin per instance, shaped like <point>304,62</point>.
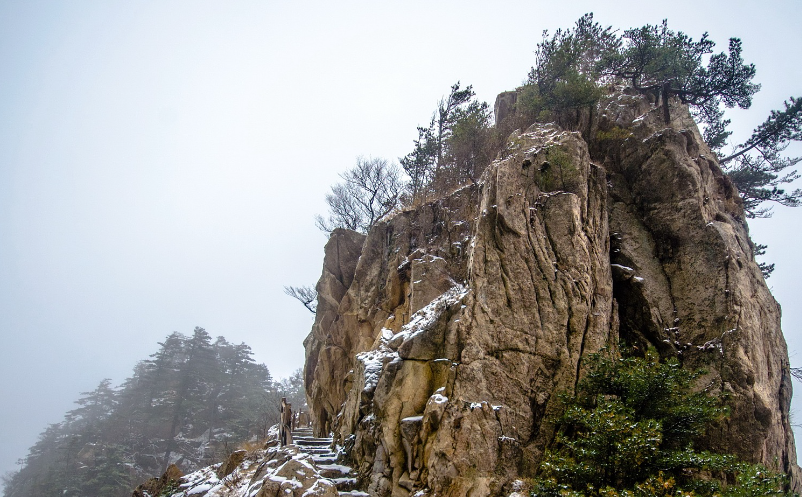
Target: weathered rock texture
<point>442,337</point>
<point>271,472</point>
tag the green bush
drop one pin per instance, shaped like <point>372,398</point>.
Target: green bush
<point>629,431</point>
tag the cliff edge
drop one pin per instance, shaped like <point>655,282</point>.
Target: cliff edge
<point>442,337</point>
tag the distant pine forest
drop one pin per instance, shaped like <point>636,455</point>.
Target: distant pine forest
<point>190,403</point>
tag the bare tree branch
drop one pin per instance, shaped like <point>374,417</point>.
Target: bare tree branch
<point>305,294</point>
<point>369,191</point>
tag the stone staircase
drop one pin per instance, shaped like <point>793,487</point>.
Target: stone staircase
<point>326,461</point>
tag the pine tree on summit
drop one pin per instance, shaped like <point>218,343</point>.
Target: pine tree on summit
<point>573,66</point>
<point>453,150</point>
<point>573,63</point>
<point>655,59</point>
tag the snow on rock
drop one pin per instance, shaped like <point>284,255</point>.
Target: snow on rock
<point>200,489</point>
<point>423,319</point>
<point>271,472</point>
<point>373,363</point>
<point>621,267</point>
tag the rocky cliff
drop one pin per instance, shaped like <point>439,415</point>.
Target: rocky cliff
<point>443,336</point>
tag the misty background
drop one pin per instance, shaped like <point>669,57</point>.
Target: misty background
<point>161,163</point>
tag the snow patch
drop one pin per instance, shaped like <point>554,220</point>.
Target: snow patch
<point>373,363</point>
<point>621,267</point>
<point>423,319</point>
<point>203,487</point>
<point>373,360</point>
<point>335,467</point>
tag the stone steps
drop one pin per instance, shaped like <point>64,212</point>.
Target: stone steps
<point>334,471</point>
<point>311,442</point>
<point>325,459</point>
<point>316,451</point>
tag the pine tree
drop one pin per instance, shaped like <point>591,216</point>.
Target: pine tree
<point>574,64</point>
<point>115,437</point>
<point>454,149</point>
<point>756,167</point>
<point>568,66</point>
<point>96,407</point>
<point>655,59</point>
<point>190,388</point>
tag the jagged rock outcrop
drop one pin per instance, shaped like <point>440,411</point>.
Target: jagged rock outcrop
<point>443,336</point>
<point>695,290</point>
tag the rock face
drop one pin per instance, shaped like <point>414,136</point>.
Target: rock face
<point>442,337</point>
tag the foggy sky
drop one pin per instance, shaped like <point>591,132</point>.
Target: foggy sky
<point>161,162</point>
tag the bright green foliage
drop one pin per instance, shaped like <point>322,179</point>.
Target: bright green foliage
<point>567,74</point>
<point>630,430</point>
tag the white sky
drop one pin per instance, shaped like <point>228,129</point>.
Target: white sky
<point>161,162</point>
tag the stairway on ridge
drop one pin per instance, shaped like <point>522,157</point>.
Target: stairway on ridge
<point>325,459</point>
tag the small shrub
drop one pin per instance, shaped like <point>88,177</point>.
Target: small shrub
<point>557,172</point>
<point>629,431</point>
<point>169,489</point>
<point>616,133</point>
